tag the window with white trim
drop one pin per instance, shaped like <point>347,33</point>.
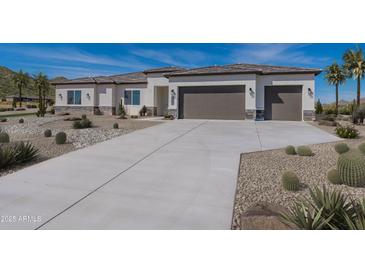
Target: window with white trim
<point>132,97</point>
<point>74,97</point>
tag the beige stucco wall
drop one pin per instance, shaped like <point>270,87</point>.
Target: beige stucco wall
<point>145,98</point>
<point>105,95</point>
<point>61,94</point>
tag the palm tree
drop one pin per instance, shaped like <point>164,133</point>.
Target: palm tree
<point>42,85</point>
<point>21,80</point>
<point>335,75</point>
<point>355,66</point>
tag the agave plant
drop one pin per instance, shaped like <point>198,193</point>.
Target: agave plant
<point>16,153</point>
<point>326,210</point>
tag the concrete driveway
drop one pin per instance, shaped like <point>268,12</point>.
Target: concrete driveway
<point>177,175</point>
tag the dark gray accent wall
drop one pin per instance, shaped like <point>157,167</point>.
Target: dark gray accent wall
<point>283,103</point>
<point>212,102</point>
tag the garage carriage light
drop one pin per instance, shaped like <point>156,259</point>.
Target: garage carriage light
<point>310,92</point>
<point>60,95</point>
<point>252,93</point>
<point>88,96</point>
<point>173,92</point>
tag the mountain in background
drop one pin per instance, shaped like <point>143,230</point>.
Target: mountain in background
<point>7,86</point>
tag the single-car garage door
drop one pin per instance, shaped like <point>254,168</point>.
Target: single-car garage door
<point>212,102</point>
<point>283,103</point>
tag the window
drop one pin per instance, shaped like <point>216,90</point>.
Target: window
<point>74,97</point>
<point>132,97</point>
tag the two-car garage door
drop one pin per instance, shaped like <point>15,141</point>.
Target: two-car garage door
<point>212,102</point>
<point>228,102</point>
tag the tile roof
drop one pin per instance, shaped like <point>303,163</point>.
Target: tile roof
<point>244,68</point>
<point>140,77</point>
<point>126,78</point>
<point>164,69</point>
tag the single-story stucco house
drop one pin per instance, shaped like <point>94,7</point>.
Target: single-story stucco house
<point>237,91</point>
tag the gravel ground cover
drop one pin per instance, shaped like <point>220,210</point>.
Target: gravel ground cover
<point>259,179</point>
<point>32,130</point>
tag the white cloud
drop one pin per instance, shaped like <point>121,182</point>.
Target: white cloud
<point>290,54</point>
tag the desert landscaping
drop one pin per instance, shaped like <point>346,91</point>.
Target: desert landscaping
<point>32,129</point>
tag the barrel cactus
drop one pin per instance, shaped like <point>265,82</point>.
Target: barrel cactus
<point>351,167</point>
<point>304,151</point>
<point>4,137</point>
<point>334,177</point>
<point>290,150</point>
<point>290,181</point>
<point>341,148</point>
<point>362,148</point>
<point>60,138</point>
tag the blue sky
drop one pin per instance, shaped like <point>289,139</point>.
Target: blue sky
<point>77,60</point>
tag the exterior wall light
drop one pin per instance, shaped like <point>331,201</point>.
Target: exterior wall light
<point>88,96</point>
<point>60,96</point>
<point>252,93</point>
<point>173,92</point>
<point>310,92</point>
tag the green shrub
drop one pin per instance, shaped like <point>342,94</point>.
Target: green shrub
<point>121,110</point>
<point>351,166</point>
<point>304,151</point>
<point>348,132</point>
<point>16,153</point>
<point>21,121</point>
<point>169,117</point>
<point>345,110</point>
<point>115,125</point>
<point>47,133</point>
<point>76,124</point>
<point>143,111</point>
<point>362,148</point>
<point>334,177</point>
<point>86,123</point>
<point>341,148</point>
<point>326,210</point>
<point>318,107</point>
<point>290,150</point>
<point>60,138</point>
<point>290,181</point>
<point>329,109</point>
<point>4,137</point>
<point>83,116</point>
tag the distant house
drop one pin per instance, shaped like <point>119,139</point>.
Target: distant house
<point>236,91</point>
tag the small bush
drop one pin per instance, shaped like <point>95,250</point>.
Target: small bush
<point>329,109</point>
<point>290,181</point>
<point>318,107</point>
<point>4,137</point>
<point>47,133</point>
<point>290,150</point>
<point>60,138</point>
<point>304,151</point>
<point>115,125</point>
<point>77,124</point>
<point>143,111</point>
<point>341,148</point>
<point>334,177</point>
<point>362,148</point>
<point>97,111</point>
<point>83,116</point>
<point>21,121</point>
<point>169,117</point>
<point>52,111</point>
<point>86,123</point>
<point>348,132</point>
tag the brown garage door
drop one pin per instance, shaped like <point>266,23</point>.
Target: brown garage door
<point>283,103</point>
<point>212,102</point>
